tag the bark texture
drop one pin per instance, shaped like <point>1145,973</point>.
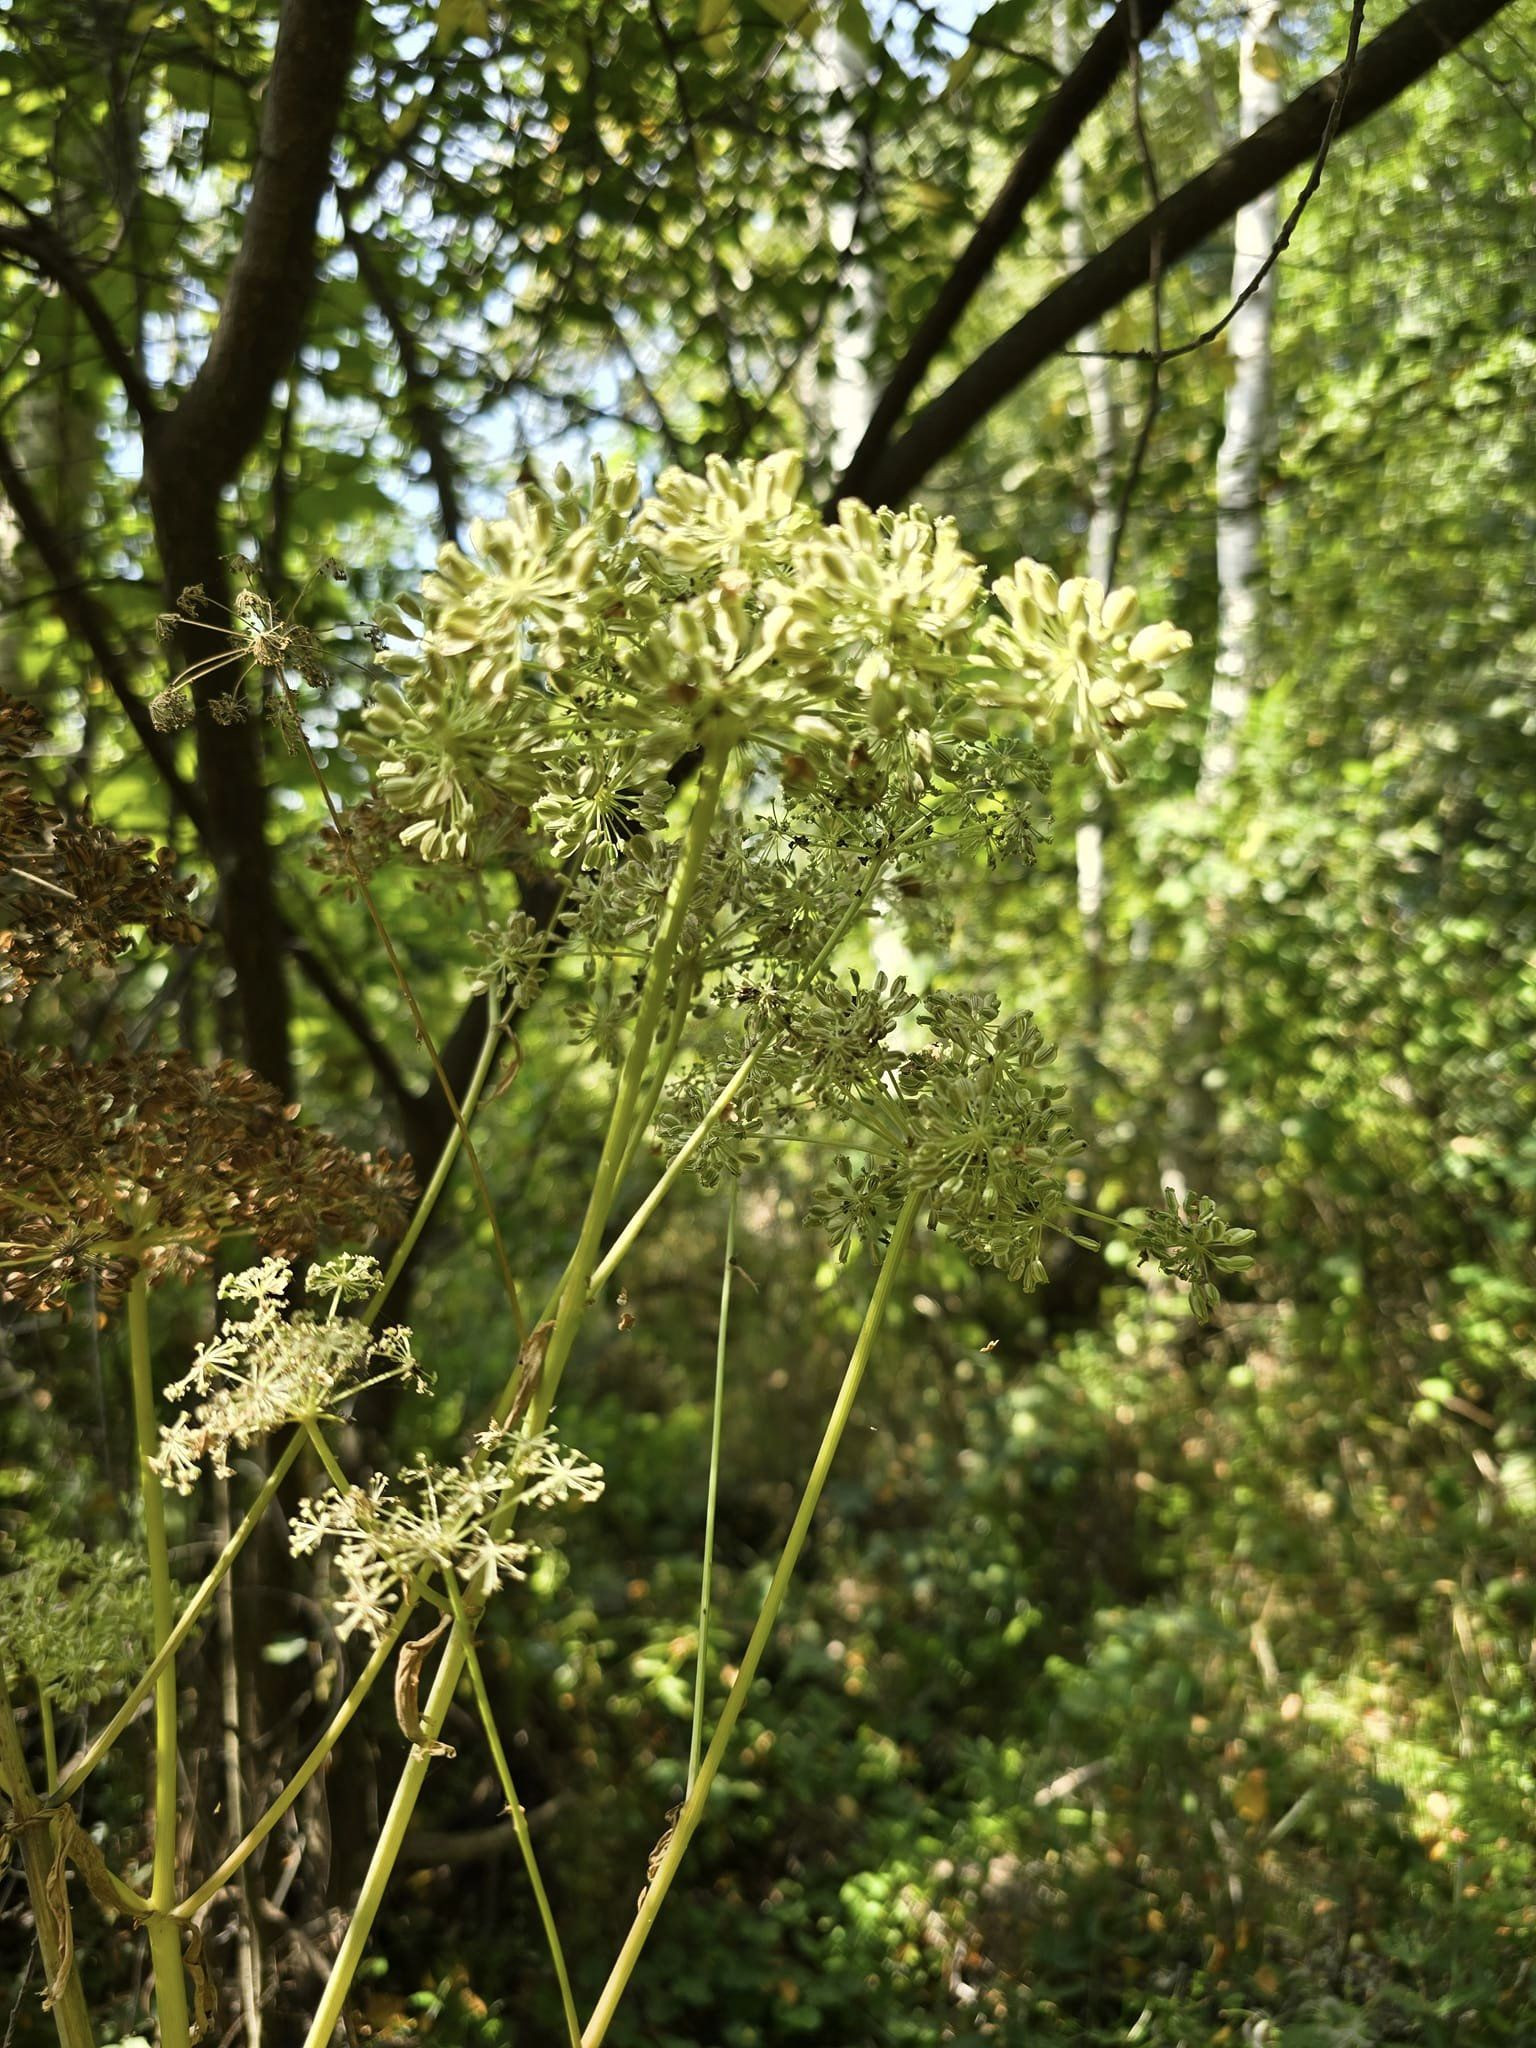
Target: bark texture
<point>1240,463</point>
<point>193,455</point>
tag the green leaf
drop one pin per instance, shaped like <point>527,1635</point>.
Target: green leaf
<point>963,66</point>
<point>459,19</point>
<point>792,14</point>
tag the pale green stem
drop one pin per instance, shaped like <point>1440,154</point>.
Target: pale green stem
<point>329,2011</point>
<point>567,1308</point>
<point>578,1274</point>
<point>164,1936</point>
<point>327,1457</point>
<point>693,1807</point>
<point>465,1630</point>
<point>50,1742</point>
<point>444,1167</point>
<point>624,1243</point>
<point>244,1849</point>
<point>71,2018</point>
<point>676,1024</point>
<point>78,1772</point>
<point>712,1495</point>
<point>689,1149</point>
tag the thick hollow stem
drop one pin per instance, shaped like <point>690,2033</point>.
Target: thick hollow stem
<point>464,1627</point>
<point>676,1023</point>
<point>570,1303</point>
<point>578,1274</point>
<point>712,1495</point>
<point>170,1982</point>
<point>71,2018</point>
<point>190,1615</point>
<point>50,1741</point>
<point>387,1849</point>
<point>164,1936</point>
<point>730,1713</point>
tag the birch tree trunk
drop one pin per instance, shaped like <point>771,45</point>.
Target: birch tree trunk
<point>1104,434</point>
<point>1198,1018</point>
<point>845,393</point>
<point>1239,466</point>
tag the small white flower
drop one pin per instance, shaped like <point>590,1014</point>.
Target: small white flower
<point>439,1519</point>
<point>272,1369</point>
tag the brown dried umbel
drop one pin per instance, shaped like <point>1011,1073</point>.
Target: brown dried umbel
<point>68,890</point>
<point>143,1162</point>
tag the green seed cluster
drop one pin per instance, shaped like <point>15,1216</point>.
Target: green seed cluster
<point>1193,1242</point>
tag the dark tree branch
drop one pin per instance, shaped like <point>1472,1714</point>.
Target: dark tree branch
<point>261,316</point>
<point>1395,60</point>
<point>337,998</point>
<point>82,616</point>
<point>1059,126</point>
<point>977,38</point>
<point>36,243</point>
<point>1143,442</point>
<point>1157,355</point>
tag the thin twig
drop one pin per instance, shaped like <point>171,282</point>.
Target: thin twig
<point>1157,355</point>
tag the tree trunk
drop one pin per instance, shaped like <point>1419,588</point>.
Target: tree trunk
<point>1199,1019</point>
<point>1239,466</point>
<point>1103,423</point>
<point>845,394</point>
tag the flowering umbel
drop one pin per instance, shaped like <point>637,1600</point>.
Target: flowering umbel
<point>273,1369</point>
<point>1192,1241</point>
<point>446,1519</point>
<point>588,640</point>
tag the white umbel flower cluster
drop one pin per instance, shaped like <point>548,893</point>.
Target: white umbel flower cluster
<point>446,1520</point>
<point>589,640</point>
<point>272,1369</point>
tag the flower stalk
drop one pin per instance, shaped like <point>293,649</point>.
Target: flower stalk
<point>164,1936</point>
<point>577,1280</point>
<point>193,1611</point>
<point>29,1819</point>
<point>421,1214</point>
<point>465,1632</point>
<point>693,1806</point>
<point>712,1491</point>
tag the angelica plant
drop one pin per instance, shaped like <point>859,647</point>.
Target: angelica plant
<point>863,719</point>
<point>724,737</point>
